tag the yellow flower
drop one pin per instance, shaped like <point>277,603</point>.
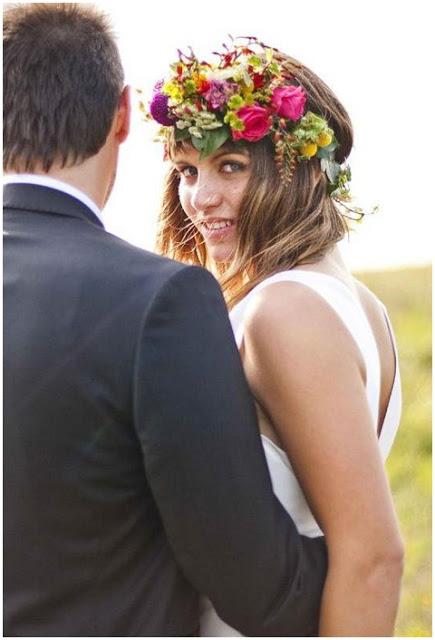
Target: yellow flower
<point>247,94</point>
<point>198,79</point>
<point>173,91</point>
<point>324,139</point>
<point>308,150</point>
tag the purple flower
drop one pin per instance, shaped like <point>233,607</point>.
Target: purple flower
<point>159,109</point>
<point>218,93</point>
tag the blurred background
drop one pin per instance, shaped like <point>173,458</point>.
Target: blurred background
<point>407,294</point>
<point>376,57</point>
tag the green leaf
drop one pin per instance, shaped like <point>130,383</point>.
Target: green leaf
<point>326,153</point>
<point>331,168</point>
<point>198,143</point>
<point>329,149</point>
<point>181,134</point>
<point>214,139</point>
<point>274,68</point>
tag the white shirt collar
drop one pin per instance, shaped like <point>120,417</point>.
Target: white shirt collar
<point>53,183</point>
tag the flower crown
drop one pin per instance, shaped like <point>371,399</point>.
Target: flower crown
<point>246,95</point>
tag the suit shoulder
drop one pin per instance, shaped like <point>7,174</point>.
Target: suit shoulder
<point>126,259</point>
<point>134,261</point>
<point>196,286</point>
<point>124,250</point>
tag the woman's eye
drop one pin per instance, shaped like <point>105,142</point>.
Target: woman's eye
<point>232,167</point>
<point>187,172</point>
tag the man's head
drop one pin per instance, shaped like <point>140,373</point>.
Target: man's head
<point>63,82</point>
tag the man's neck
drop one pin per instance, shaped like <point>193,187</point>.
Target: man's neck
<point>87,178</point>
<point>93,177</point>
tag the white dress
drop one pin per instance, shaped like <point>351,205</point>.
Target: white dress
<point>285,485</point>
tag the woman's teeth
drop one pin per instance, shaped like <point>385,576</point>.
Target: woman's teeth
<point>217,225</point>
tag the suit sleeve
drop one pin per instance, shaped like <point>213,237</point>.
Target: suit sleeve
<point>205,464</point>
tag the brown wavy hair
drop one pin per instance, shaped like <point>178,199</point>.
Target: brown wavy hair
<point>279,225</point>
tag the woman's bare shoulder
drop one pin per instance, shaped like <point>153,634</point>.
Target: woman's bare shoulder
<point>283,299</point>
<point>292,316</point>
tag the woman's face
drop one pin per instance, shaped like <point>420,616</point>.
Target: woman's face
<point>211,192</point>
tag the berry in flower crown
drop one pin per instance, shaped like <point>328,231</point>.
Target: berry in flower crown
<point>245,95</point>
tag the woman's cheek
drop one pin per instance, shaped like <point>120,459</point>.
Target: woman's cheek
<point>185,200</point>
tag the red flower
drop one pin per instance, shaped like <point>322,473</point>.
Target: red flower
<point>289,102</point>
<point>257,121</point>
<point>228,60</point>
<point>204,86</point>
<point>258,80</point>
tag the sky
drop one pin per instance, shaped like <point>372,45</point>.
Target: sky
<point>374,55</point>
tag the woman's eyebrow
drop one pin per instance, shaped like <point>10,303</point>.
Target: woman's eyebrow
<point>227,152</point>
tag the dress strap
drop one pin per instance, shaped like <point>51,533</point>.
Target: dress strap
<point>346,305</point>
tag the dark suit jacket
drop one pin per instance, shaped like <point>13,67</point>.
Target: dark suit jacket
<point>134,476</point>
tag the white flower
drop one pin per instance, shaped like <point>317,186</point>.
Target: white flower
<point>206,115</point>
<point>194,131</point>
<point>182,124</point>
<point>191,107</point>
<point>212,125</point>
<point>241,73</point>
<point>220,74</point>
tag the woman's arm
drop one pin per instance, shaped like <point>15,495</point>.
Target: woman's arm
<point>307,372</point>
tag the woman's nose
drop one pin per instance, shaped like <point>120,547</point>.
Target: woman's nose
<point>206,196</point>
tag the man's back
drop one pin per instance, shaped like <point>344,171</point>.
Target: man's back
<point>81,524</point>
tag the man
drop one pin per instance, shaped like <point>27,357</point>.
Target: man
<point>134,476</point>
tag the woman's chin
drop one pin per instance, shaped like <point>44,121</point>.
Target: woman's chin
<point>220,254</point>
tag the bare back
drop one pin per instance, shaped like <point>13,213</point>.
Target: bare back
<point>383,339</point>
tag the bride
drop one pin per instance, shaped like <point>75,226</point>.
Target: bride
<point>258,193</point>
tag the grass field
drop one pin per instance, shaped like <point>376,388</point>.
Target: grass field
<point>407,295</point>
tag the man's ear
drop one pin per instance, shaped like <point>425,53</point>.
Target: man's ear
<point>123,115</point>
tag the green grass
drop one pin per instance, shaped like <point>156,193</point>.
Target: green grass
<point>407,295</point>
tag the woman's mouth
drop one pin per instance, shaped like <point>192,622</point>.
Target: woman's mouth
<point>216,229</point>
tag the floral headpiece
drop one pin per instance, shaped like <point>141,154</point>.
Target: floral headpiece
<point>245,95</point>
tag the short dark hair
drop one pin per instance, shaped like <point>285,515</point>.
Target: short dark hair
<point>62,81</point>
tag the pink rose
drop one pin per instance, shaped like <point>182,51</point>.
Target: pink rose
<point>289,102</point>
<point>257,122</point>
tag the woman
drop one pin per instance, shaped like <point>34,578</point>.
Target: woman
<point>257,193</point>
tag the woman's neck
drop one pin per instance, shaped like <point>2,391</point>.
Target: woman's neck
<point>332,264</point>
